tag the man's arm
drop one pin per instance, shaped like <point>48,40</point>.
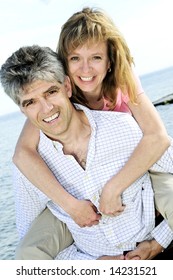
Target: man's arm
<point>27,202</point>
<point>148,249</point>
<point>163,234</point>
<point>145,250</point>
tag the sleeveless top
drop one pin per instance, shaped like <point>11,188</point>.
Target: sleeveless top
<point>123,99</point>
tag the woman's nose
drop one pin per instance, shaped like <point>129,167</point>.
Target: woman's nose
<point>86,66</point>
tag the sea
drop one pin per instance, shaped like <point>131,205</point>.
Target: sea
<point>156,85</point>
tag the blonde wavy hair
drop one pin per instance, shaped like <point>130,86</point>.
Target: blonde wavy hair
<point>93,26</point>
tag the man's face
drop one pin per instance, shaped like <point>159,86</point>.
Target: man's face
<point>47,105</point>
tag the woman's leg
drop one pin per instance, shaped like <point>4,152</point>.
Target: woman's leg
<point>163,192</point>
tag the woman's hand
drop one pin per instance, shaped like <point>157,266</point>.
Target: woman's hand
<point>84,213</point>
<point>110,201</point>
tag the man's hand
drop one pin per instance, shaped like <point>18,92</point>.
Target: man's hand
<point>146,250</point>
<point>110,201</point>
<point>84,213</point>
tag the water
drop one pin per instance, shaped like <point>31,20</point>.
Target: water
<point>10,126</point>
<point>156,85</point>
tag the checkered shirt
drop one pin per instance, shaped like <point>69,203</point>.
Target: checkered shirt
<point>113,139</point>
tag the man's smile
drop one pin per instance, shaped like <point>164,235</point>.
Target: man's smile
<point>53,117</point>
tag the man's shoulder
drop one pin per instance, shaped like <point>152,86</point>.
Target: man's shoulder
<point>106,115</point>
<point>44,141</point>
<point>112,116</point>
<point>110,119</point>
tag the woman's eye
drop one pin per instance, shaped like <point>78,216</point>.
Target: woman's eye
<point>97,57</point>
<point>74,58</point>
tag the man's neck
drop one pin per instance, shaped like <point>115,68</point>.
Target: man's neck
<point>75,140</point>
<point>77,144</point>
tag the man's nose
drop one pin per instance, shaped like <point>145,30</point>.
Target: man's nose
<point>46,106</point>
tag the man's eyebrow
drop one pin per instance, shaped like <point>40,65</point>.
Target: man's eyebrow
<point>52,88</point>
<point>24,102</point>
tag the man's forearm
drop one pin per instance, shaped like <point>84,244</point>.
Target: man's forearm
<point>163,234</point>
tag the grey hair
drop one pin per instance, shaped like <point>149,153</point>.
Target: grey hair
<point>27,65</point>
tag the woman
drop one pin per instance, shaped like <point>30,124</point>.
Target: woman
<point>99,64</point>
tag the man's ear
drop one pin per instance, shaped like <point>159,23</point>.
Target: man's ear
<point>68,87</point>
<point>21,109</point>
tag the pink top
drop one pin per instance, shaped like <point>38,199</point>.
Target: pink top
<point>122,99</point>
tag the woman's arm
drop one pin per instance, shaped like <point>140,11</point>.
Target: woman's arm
<point>82,212</point>
<point>151,147</point>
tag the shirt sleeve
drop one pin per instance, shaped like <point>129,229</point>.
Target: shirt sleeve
<point>163,234</point>
<point>165,163</point>
<point>27,203</point>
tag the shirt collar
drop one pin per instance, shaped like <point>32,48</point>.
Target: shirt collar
<point>91,120</point>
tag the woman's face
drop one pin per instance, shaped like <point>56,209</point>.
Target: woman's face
<point>88,66</point>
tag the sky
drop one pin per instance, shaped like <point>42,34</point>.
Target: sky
<point>145,24</point>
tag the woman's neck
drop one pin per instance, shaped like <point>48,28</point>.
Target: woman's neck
<point>96,104</point>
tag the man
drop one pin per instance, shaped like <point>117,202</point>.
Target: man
<point>84,149</point>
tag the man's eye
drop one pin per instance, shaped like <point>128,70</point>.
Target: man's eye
<point>29,103</point>
<point>52,92</point>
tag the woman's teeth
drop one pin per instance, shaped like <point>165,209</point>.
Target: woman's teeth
<point>86,79</point>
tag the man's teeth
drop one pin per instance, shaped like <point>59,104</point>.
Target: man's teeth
<point>51,118</point>
<point>86,79</point>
